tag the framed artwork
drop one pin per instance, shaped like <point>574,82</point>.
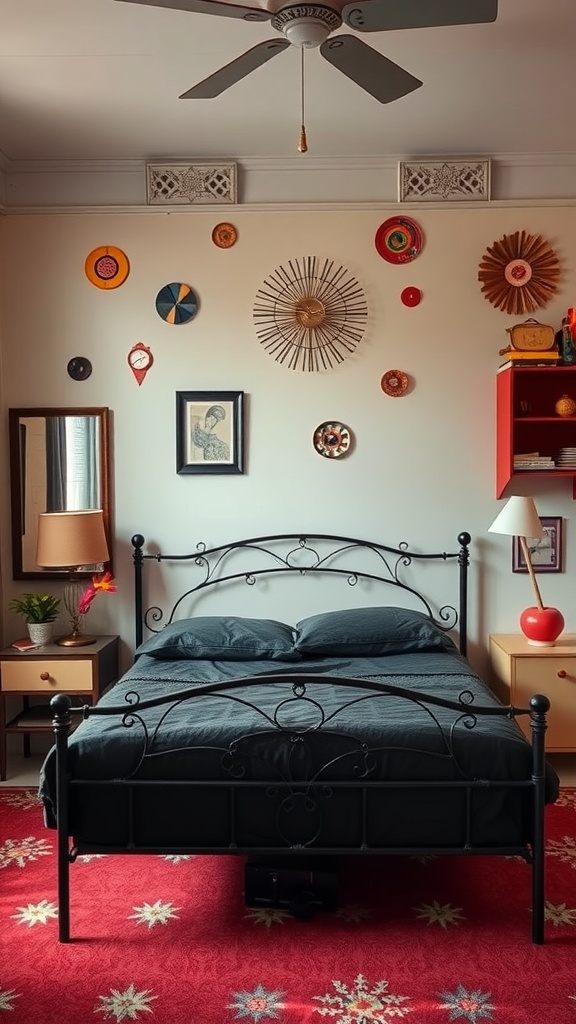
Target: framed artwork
<point>545,552</point>
<point>209,432</point>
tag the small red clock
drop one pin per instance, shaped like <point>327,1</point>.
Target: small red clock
<point>140,359</point>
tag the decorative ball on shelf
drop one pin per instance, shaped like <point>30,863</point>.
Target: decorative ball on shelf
<point>541,626</point>
<point>565,406</point>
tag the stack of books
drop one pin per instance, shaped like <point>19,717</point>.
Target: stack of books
<point>548,358</point>
<point>533,460</point>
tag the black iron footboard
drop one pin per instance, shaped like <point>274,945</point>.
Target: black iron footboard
<point>317,766</point>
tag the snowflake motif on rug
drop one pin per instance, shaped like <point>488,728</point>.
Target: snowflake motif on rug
<point>353,913</point>
<point>36,913</point>
<point>361,1005</point>
<point>559,914</point>
<point>567,798</point>
<point>85,858</point>
<point>125,1005</point>
<point>177,858</point>
<point>268,916</point>
<point>464,1005</point>
<point>20,851</point>
<point>24,799</point>
<point>564,849</point>
<point>440,913</point>
<point>7,996</point>
<point>154,913</point>
<point>257,1005</point>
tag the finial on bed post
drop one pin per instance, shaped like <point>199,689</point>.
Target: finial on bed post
<point>138,559</point>
<point>463,562</point>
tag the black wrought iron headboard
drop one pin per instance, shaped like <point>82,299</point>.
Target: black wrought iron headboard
<point>305,554</point>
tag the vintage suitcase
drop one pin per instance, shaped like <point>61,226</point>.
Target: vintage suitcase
<point>531,336</point>
<point>298,884</point>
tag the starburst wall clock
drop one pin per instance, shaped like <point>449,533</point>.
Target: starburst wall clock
<point>310,314</point>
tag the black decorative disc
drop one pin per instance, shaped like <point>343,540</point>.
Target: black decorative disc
<point>79,368</point>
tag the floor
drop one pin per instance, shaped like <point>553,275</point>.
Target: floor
<point>24,771</point>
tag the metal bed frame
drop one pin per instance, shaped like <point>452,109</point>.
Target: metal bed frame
<point>307,793</point>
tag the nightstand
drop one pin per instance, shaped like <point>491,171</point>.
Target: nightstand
<point>521,670</point>
<point>84,671</point>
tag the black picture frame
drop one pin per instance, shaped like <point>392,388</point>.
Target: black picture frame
<point>209,431</point>
<point>546,552</point>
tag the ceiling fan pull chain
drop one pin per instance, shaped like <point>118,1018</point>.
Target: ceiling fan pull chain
<point>303,143</point>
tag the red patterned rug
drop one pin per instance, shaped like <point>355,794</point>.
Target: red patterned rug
<point>169,940</point>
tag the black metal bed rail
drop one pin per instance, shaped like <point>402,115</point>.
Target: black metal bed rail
<point>303,554</point>
<point>533,852</point>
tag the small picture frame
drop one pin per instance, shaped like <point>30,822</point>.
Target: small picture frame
<point>545,552</point>
<point>209,432</point>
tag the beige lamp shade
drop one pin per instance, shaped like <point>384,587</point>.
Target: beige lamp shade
<point>518,518</point>
<point>68,540</point>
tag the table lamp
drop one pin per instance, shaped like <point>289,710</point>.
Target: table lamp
<point>541,625</point>
<point>72,541</point>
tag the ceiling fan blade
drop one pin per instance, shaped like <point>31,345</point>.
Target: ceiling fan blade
<point>224,10</point>
<point>236,70</point>
<point>383,79</point>
<point>382,15</point>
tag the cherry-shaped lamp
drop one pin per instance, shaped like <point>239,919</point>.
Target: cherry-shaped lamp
<point>540,624</point>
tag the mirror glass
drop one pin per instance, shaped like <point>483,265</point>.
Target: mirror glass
<point>59,462</point>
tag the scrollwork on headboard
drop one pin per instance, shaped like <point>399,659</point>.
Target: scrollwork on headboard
<point>303,554</point>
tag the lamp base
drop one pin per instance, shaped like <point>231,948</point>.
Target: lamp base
<point>76,640</point>
<point>541,626</point>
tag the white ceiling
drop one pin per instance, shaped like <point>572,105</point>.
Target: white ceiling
<point>100,80</point>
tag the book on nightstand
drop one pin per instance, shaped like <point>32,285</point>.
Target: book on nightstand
<point>25,645</point>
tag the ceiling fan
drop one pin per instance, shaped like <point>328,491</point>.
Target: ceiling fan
<point>311,24</point>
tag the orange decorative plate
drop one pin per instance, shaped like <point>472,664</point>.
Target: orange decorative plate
<point>224,236</point>
<point>107,267</point>
<point>394,383</point>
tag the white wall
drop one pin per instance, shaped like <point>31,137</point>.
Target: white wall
<point>423,465</point>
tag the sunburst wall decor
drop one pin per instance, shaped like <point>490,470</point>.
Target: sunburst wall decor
<point>310,314</point>
<point>519,273</point>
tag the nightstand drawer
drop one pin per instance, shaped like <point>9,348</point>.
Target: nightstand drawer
<point>47,676</point>
<point>544,675</point>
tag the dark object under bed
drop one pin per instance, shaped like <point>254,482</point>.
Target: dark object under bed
<point>357,731</point>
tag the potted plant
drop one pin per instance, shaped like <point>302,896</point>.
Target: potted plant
<point>40,611</point>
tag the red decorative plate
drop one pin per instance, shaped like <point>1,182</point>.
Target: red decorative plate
<point>399,240</point>
<point>394,383</point>
<point>411,296</point>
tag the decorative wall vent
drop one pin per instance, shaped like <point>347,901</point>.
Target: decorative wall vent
<point>444,181</point>
<point>185,184</point>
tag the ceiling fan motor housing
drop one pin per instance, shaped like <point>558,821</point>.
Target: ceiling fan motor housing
<point>306,25</point>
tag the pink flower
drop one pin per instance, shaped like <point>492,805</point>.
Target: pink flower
<point>104,582</point>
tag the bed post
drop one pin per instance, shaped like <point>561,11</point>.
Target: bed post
<point>138,544</point>
<point>539,705</point>
<point>61,705</point>
<point>463,563</point>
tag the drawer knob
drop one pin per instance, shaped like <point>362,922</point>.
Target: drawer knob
<point>44,676</point>
<point>562,673</point>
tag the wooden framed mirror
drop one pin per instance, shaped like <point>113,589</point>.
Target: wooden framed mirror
<point>59,461</point>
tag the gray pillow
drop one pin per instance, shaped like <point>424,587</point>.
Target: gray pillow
<point>222,638</point>
<point>366,632</point>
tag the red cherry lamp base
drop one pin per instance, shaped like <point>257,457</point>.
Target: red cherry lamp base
<point>541,626</point>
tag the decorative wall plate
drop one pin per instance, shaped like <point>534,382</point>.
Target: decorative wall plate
<point>107,267</point>
<point>79,368</point>
<point>176,303</point>
<point>224,236</point>
<point>519,273</point>
<point>394,383</point>
<point>332,440</point>
<point>411,296</point>
<point>399,240</point>
<point>310,314</point>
